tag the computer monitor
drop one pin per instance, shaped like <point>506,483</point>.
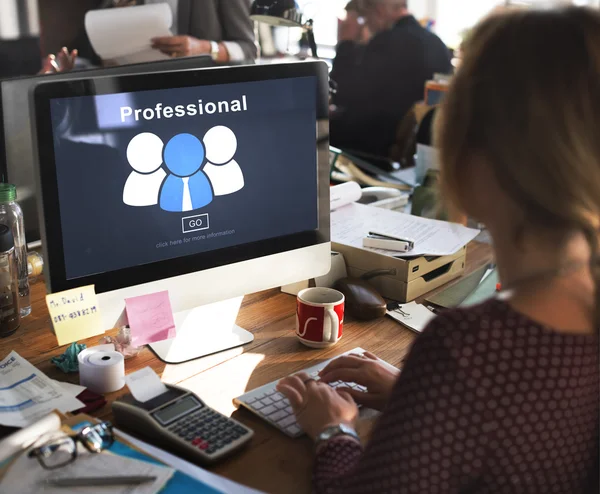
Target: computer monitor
<point>215,184</point>
<point>16,162</point>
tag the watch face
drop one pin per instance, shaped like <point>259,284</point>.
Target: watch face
<point>337,430</point>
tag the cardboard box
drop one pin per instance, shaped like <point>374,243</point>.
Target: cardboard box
<point>412,278</point>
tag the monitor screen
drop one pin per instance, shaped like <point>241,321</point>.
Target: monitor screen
<point>167,173</point>
<point>17,161</point>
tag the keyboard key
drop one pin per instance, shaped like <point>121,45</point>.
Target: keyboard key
<point>258,405</point>
<point>294,429</point>
<point>291,419</point>
<point>282,404</point>
<point>266,401</point>
<point>249,401</point>
<point>277,416</point>
<point>277,396</point>
<point>268,410</point>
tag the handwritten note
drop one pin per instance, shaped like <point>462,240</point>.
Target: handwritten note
<point>75,314</point>
<point>150,318</point>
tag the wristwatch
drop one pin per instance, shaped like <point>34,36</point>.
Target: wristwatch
<point>214,50</point>
<point>336,430</point>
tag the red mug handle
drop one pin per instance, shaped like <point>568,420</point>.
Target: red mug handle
<point>335,326</point>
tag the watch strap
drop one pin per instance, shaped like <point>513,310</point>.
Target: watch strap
<point>336,431</point>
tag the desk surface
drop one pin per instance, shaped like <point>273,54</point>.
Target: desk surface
<point>273,462</point>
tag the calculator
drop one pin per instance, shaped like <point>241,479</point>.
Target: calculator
<point>182,423</point>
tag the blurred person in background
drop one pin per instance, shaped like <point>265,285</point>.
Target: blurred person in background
<point>379,79</point>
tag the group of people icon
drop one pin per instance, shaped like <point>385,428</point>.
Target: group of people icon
<point>196,171</point>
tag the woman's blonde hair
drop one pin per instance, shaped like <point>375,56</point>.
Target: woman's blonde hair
<point>526,102</point>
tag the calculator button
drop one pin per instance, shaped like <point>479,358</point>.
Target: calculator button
<point>196,441</point>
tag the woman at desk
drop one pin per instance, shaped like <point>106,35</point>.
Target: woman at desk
<point>502,397</point>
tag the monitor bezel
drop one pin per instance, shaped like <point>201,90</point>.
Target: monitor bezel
<point>49,206</point>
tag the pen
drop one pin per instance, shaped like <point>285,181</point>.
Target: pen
<point>100,481</point>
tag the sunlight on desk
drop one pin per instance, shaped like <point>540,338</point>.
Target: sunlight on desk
<point>219,384</point>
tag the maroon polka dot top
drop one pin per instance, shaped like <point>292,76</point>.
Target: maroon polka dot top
<point>488,401</point>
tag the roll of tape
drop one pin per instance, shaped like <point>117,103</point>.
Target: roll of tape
<point>101,369</point>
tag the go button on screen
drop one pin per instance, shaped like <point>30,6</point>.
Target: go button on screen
<point>195,223</point>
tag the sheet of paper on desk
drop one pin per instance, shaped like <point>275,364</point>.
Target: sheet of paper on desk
<point>145,384</point>
<point>352,223</point>
<point>75,314</point>
<point>150,318</point>
<point>123,35</point>
<point>215,481</point>
<point>27,395</point>
<point>26,475</point>
<point>414,316</point>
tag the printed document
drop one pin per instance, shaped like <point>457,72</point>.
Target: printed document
<point>352,223</point>
<point>123,35</point>
<point>27,395</point>
<point>27,476</point>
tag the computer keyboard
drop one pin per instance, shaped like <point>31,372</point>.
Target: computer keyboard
<point>270,405</point>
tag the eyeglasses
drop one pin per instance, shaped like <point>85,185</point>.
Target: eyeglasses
<point>60,451</point>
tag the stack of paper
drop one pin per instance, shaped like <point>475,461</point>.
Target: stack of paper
<point>414,316</point>
<point>27,476</point>
<point>352,223</point>
<point>124,35</point>
<point>27,395</point>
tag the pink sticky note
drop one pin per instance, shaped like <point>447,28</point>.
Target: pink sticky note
<point>150,318</point>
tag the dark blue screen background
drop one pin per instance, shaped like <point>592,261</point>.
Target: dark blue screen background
<point>276,151</point>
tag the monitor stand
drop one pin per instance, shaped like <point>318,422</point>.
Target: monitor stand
<point>203,331</point>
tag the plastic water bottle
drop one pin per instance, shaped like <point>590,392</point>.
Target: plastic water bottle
<point>9,299</point>
<point>11,215</point>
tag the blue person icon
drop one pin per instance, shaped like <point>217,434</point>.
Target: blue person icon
<point>187,187</point>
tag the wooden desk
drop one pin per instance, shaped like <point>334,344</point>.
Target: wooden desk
<point>273,462</point>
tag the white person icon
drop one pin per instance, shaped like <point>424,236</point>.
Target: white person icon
<point>145,155</point>
<point>224,173</point>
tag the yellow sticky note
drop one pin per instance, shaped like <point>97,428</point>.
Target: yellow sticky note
<point>75,314</point>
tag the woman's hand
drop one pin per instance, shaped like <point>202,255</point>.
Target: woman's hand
<point>63,61</point>
<point>181,46</point>
<point>366,370</point>
<point>317,405</point>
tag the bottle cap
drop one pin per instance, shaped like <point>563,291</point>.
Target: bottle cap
<point>7,241</point>
<point>8,193</point>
